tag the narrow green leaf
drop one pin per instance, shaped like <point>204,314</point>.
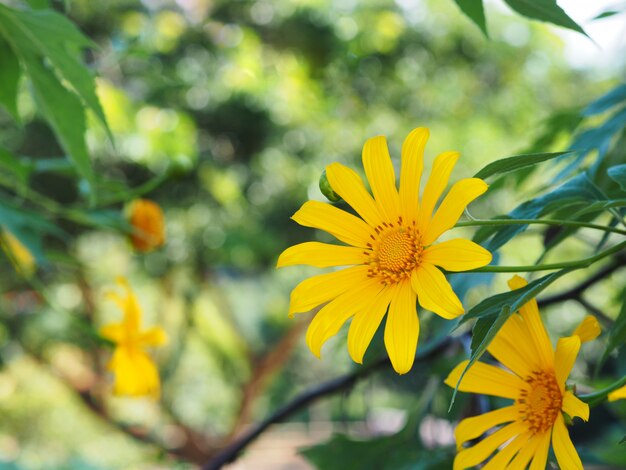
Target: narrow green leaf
<point>606,14</point>
<point>618,174</point>
<point>9,78</point>
<point>505,165</point>
<point>617,333</point>
<point>475,11</point>
<point>614,97</point>
<point>16,169</point>
<point>545,10</point>
<point>64,112</point>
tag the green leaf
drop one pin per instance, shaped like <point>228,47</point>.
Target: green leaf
<point>494,311</point>
<point>475,11</point>
<point>505,165</point>
<point>12,165</point>
<point>606,14</point>
<point>38,4</point>
<point>618,174</point>
<point>64,112</point>
<point>9,78</point>
<point>545,10</point>
<point>614,97</point>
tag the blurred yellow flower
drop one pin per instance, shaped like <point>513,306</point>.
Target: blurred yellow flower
<point>135,372</point>
<point>619,394</point>
<point>22,259</point>
<point>536,382</point>
<point>146,218</point>
<point>392,249</point>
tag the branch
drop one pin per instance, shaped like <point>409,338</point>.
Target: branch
<point>575,292</point>
<point>231,452</point>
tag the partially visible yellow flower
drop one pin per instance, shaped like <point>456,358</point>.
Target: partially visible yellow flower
<point>619,394</point>
<point>22,259</point>
<point>146,218</point>
<point>536,382</point>
<point>392,252</point>
<point>135,372</point>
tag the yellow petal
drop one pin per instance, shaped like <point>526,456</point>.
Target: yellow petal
<point>434,292</point>
<point>460,195</point>
<point>350,187</point>
<point>486,379</point>
<point>402,329</point>
<point>457,255</point>
<point>512,352</point>
<point>564,358</point>
<point>321,255</point>
<point>319,289</point>
<point>573,406</point>
<point>536,333</point>
<point>382,179</point>
<point>476,426</point>
<point>345,227</point>
<point>113,332</point>
<point>618,394</point>
<point>21,257</point>
<point>135,373</point>
<point>411,172</point>
<point>564,450</point>
<point>536,449</point>
<point>365,323</point>
<point>155,336</point>
<point>331,317</point>
<point>588,329</point>
<point>436,184</point>
<point>504,455</point>
<point>472,456</point>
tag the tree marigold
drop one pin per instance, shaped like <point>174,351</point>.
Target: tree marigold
<point>135,372</point>
<point>535,381</point>
<point>395,261</point>
<point>148,223</point>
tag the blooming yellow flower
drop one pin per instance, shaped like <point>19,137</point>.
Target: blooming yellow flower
<point>619,394</point>
<point>135,372</point>
<point>536,383</point>
<point>148,223</point>
<point>20,256</point>
<point>391,249</point>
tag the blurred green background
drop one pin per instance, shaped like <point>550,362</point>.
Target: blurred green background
<point>234,108</point>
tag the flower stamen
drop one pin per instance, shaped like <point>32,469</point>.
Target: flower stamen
<point>540,403</point>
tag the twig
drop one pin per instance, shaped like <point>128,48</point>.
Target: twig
<point>231,452</point>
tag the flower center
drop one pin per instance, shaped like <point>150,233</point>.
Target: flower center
<point>540,403</point>
<point>395,252</point>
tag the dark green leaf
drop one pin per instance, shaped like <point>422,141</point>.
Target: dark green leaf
<point>544,10</point>
<point>618,174</point>
<point>607,101</point>
<point>475,11</point>
<point>9,78</point>
<point>38,4</point>
<point>64,112</point>
<point>16,168</point>
<point>505,165</point>
<point>494,311</point>
<point>606,14</point>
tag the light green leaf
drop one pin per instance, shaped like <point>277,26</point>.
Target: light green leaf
<point>64,112</point>
<point>9,78</point>
<point>545,10</point>
<point>618,174</point>
<point>505,165</point>
<point>475,11</point>
<point>38,4</point>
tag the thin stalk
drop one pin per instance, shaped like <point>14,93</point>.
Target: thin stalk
<point>598,397</point>
<point>559,223</point>
<point>582,263</point>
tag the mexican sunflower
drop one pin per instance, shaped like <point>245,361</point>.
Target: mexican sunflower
<point>535,381</point>
<point>135,372</point>
<point>392,256</point>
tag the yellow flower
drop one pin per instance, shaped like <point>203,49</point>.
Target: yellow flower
<point>22,259</point>
<point>146,218</point>
<point>391,249</point>
<point>135,372</point>
<point>536,383</point>
<point>619,394</point>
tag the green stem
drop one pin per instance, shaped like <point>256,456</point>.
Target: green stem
<point>559,223</point>
<point>582,263</point>
<point>598,397</point>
